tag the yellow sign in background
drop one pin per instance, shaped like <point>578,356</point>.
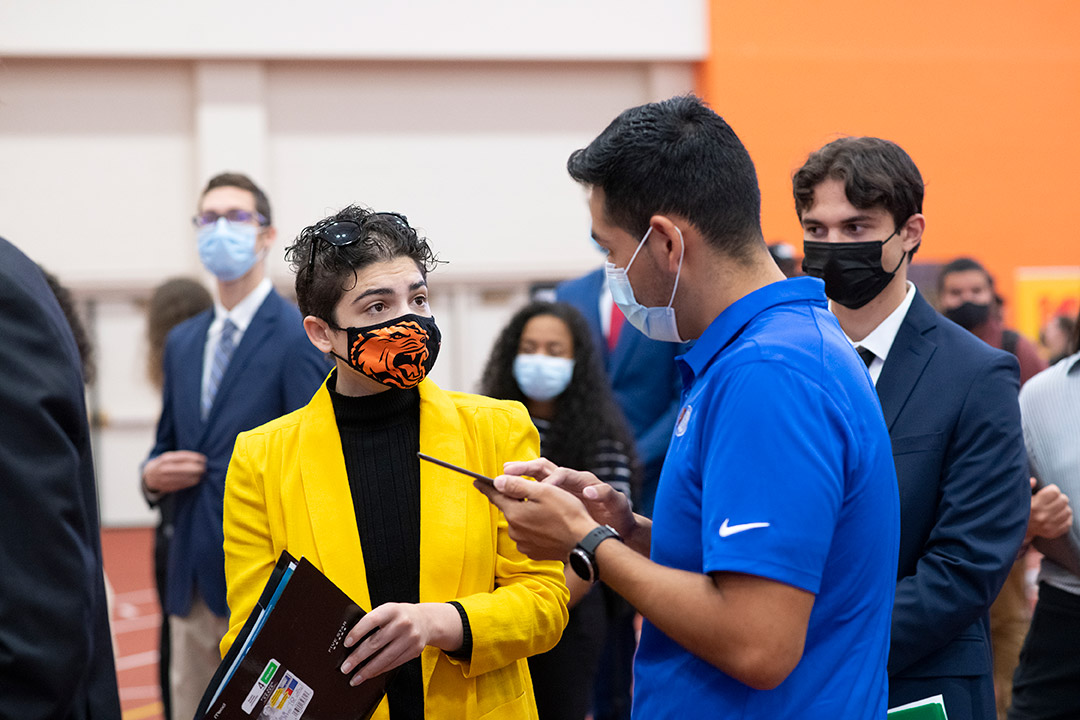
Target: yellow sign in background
<point>1042,293</point>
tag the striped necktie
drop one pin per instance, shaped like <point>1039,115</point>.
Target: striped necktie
<point>222,353</point>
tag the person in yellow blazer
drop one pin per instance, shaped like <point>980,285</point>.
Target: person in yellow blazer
<point>452,601</point>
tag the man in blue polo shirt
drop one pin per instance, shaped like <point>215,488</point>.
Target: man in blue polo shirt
<point>766,577</point>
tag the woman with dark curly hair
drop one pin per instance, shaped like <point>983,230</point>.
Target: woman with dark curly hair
<point>545,359</point>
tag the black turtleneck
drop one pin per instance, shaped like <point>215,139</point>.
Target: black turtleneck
<point>380,436</point>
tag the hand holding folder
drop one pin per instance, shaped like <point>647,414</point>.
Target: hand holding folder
<point>286,662</point>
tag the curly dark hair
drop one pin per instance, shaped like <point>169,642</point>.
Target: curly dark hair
<point>78,330</point>
<point>383,236</point>
<point>585,413</point>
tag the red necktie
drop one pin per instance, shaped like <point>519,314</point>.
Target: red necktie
<point>615,326</point>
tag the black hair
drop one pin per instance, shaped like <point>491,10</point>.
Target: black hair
<point>875,172</point>
<point>383,236</point>
<point>1074,345</point>
<point>239,180</point>
<point>675,157</point>
<point>78,330</point>
<point>585,412</point>
<point>959,265</point>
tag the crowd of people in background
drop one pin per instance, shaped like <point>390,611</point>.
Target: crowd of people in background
<point>811,491</point>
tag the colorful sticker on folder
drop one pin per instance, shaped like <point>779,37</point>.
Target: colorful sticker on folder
<point>289,699</point>
<point>257,689</point>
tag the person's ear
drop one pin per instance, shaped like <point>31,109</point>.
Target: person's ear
<point>318,332</point>
<point>667,240</point>
<point>267,236</point>
<point>912,231</point>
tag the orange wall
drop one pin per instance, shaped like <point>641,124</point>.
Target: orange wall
<point>985,97</point>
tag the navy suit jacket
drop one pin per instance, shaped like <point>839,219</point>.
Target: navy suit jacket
<point>643,377</point>
<point>274,370</point>
<point>56,658</point>
<point>950,403</point>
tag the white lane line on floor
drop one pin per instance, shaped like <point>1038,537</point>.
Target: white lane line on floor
<point>130,662</point>
<point>146,622</point>
<point>137,596</point>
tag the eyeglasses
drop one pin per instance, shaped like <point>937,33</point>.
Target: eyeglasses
<point>348,232</point>
<point>234,216</point>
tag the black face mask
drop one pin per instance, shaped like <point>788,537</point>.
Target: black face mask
<point>399,352</point>
<point>969,315</point>
<point>852,271</point>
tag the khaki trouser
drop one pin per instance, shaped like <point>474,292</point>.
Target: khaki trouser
<point>194,656</point>
<point>1009,621</point>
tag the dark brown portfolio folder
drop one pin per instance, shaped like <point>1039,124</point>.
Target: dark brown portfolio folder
<point>286,662</point>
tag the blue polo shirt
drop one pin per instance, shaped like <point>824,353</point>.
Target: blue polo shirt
<point>780,466</point>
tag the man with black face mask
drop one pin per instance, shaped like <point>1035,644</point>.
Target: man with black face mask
<point>950,403</point>
<point>966,295</point>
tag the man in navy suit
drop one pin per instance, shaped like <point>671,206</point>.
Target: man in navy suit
<point>56,657</point>
<point>227,370</point>
<point>950,403</point>
<point>646,384</point>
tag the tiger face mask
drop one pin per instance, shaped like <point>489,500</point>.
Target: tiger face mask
<point>398,353</point>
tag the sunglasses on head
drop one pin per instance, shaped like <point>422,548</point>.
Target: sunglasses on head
<point>348,232</point>
<point>234,216</point>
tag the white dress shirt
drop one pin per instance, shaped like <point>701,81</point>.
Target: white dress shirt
<point>241,316</point>
<point>880,340</point>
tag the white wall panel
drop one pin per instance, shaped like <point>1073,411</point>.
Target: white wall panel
<point>473,154</point>
<point>95,167</point>
<point>352,29</point>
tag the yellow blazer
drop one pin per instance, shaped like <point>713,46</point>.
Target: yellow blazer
<point>287,489</point>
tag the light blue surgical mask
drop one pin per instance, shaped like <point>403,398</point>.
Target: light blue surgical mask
<point>657,323</point>
<point>228,249</point>
<point>542,377</point>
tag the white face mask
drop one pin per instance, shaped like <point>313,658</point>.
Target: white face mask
<point>656,323</point>
<point>542,377</point>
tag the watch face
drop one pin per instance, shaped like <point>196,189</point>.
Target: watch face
<point>579,562</point>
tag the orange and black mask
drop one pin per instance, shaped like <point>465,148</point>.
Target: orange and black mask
<point>399,353</point>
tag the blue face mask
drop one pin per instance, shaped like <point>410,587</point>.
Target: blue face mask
<point>656,323</point>
<point>228,249</point>
<point>542,377</point>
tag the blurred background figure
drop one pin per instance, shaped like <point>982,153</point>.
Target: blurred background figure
<point>545,359</point>
<point>172,302</point>
<point>966,296</point>
<point>56,658</point>
<point>783,254</point>
<point>226,370</point>
<point>78,330</point>
<point>1056,335</point>
<point>642,375</point>
<point>1047,681</point>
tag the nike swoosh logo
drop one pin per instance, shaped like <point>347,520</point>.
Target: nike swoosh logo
<point>726,529</point>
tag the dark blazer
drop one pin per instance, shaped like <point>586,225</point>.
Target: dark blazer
<point>643,376</point>
<point>56,657</point>
<point>950,403</point>
<point>274,370</point>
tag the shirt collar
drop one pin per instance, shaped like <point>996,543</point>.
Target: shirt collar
<point>880,340</point>
<point>728,324</point>
<point>244,311</point>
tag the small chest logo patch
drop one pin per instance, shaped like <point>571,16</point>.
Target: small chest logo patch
<point>683,421</point>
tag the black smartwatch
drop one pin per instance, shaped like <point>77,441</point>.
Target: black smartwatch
<point>583,556</point>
